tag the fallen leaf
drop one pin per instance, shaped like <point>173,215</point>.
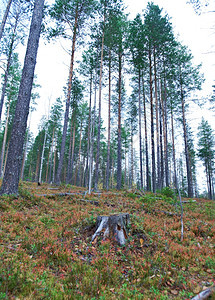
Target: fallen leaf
<point>174,292</point>
<point>197,290</point>
<point>141,242</point>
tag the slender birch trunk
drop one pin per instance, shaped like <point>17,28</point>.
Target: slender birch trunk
<point>109,115</point>
<point>119,147</point>
<point>4,142</point>
<point>146,141</point>
<point>187,153</point>
<point>152,125</point>
<point>79,156</point>
<point>140,130</point>
<point>166,136</point>
<point>99,120</point>
<point>88,133</point>
<point>157,123</point>
<point>42,157</point>
<point>69,90</point>
<point>70,147</point>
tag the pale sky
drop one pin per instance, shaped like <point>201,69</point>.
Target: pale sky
<point>195,31</point>
<point>192,30</point>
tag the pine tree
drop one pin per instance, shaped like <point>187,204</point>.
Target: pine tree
<point>206,153</point>
<point>73,13</point>
<point>14,161</point>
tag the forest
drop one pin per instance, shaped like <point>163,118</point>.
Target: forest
<point>124,106</point>
<point>104,201</point>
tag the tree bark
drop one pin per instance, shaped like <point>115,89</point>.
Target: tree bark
<point>69,169</point>
<point>88,133</point>
<point>79,157</point>
<point>187,154</point>
<point>166,136</point>
<point>140,130</point>
<point>132,160</point>
<point>100,100</point>
<point>109,114</point>
<point>4,142</point>
<point>113,226</point>
<point>14,161</point>
<point>152,126</point>
<point>157,124</point>
<point>119,147</point>
<point>42,157</point>
<point>66,116</point>
<point>205,294</point>
<point>173,150</point>
<point>161,146</point>
<point>146,142</point>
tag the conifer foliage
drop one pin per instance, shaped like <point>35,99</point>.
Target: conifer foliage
<point>122,112</point>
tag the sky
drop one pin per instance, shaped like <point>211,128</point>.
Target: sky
<point>195,31</point>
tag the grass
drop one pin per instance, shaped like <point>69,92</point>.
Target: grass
<point>46,250</point>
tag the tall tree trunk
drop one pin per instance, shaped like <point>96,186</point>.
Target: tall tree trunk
<point>47,164</point>
<point>25,153</point>
<point>92,127</point>
<point>54,162</point>
<point>66,116</point>
<point>42,157</point>
<point>157,123</point>
<point>5,18</point>
<point>100,100</point>
<point>140,130</point>
<point>6,158</point>
<point>166,136</point>
<point>119,147</point>
<point>14,161</point>
<point>132,160</point>
<point>36,177</point>
<point>146,141</point>
<point>79,157</point>
<point>72,154</point>
<point>51,155</point>
<point>70,147</point>
<point>173,151</point>
<point>125,171</point>
<point>152,125</point>
<point>4,141</point>
<point>109,114</point>
<point>161,147</point>
<point>88,133</point>
<point>187,153</point>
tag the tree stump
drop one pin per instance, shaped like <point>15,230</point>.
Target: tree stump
<point>113,226</point>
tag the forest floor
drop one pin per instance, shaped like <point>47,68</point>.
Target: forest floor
<point>46,250</point>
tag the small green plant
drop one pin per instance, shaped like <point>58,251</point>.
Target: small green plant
<point>131,195</point>
<point>168,192</point>
<point>210,263</point>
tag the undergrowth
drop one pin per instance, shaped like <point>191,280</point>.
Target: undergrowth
<point>46,250</point>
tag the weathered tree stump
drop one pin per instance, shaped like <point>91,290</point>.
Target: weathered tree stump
<point>113,226</point>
